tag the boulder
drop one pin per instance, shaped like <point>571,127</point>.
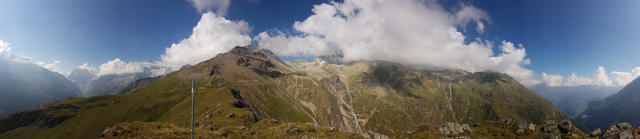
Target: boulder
<point>453,129</point>
<point>624,127</point>
<point>620,130</point>
<point>595,132</point>
<point>505,121</point>
<point>532,127</point>
<point>550,128</point>
<point>466,128</point>
<point>230,115</point>
<point>565,126</point>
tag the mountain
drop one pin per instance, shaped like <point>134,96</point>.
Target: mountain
<point>81,77</point>
<point>573,100</point>
<point>620,107</point>
<point>117,82</point>
<point>250,92</point>
<point>25,85</point>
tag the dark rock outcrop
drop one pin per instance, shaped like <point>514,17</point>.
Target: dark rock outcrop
<point>565,126</point>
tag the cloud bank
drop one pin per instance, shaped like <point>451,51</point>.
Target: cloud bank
<point>599,78</point>
<point>411,32</point>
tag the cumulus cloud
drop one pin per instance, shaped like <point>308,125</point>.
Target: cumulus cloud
<point>212,35</point>
<point>218,6</point>
<point>552,79</point>
<point>4,47</point>
<point>574,80</point>
<point>411,32</point>
<point>469,14</point>
<point>624,78</point>
<point>86,66</point>
<point>117,66</point>
<point>599,78</point>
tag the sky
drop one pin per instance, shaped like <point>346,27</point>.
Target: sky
<point>558,43</point>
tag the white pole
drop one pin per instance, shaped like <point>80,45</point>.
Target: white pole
<point>192,91</point>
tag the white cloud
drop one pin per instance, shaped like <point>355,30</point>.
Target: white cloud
<point>53,66</point>
<point>117,66</point>
<point>86,66</point>
<point>218,6</point>
<point>552,79</point>
<point>599,78</point>
<point>212,35</point>
<point>624,78</point>
<point>411,32</point>
<point>469,14</point>
<point>4,47</point>
<point>574,80</point>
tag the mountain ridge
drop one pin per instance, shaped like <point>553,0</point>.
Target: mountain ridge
<point>250,84</point>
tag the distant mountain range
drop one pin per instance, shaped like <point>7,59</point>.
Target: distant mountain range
<point>248,92</point>
<point>573,100</point>
<point>91,84</point>
<point>620,107</point>
<point>24,85</point>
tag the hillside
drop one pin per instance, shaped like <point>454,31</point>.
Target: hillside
<point>247,90</point>
<point>24,85</point>
<point>620,107</point>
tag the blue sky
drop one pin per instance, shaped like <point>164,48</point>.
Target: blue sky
<point>560,37</point>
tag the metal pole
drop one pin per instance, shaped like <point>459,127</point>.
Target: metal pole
<point>192,91</point>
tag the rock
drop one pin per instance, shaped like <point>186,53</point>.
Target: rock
<point>410,132</point>
<point>505,121</point>
<point>466,128</point>
<point>626,135</point>
<point>565,126</point>
<point>595,132</point>
<point>116,132</point>
<point>620,130</point>
<point>331,129</point>
<point>366,135</point>
<point>224,133</point>
<point>306,137</point>
<point>532,127</point>
<point>610,132</point>
<point>378,135</point>
<point>624,127</point>
<point>230,115</point>
<point>105,132</point>
<point>550,128</point>
<point>242,128</point>
<point>574,135</point>
<point>294,130</point>
<point>454,129</point>
<point>520,132</point>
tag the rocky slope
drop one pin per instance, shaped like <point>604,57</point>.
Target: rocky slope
<point>620,107</point>
<point>250,86</point>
